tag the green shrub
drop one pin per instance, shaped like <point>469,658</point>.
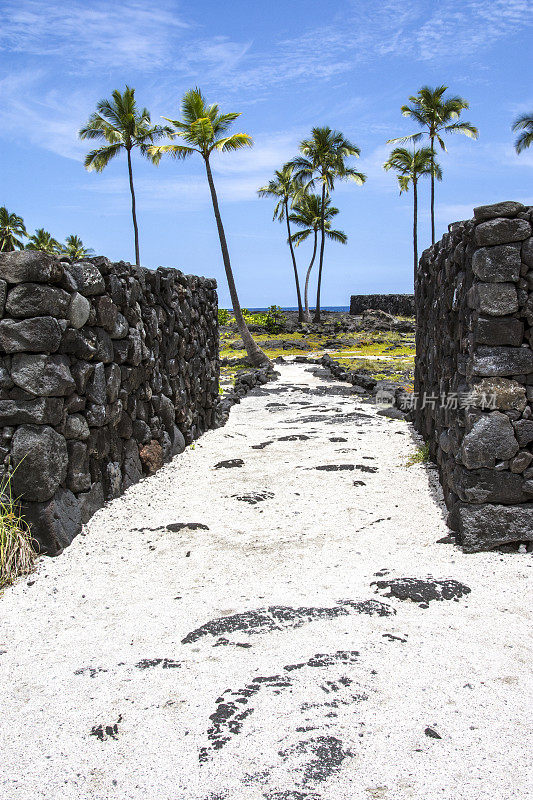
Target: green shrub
<point>17,556</point>
<point>274,319</point>
<point>224,316</point>
<point>420,456</point>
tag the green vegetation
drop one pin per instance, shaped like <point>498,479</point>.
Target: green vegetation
<point>17,556</point>
<point>44,241</point>
<point>383,354</point>
<point>203,130</point>
<point>420,456</point>
<point>411,165</point>
<point>12,231</point>
<point>75,249</point>
<point>524,124</point>
<point>119,123</point>
<point>437,115</point>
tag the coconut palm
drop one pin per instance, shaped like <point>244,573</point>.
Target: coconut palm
<point>523,123</point>
<point>439,115</point>
<point>323,161</point>
<point>285,188</point>
<point>411,165</point>
<point>307,215</point>
<point>122,126</point>
<point>203,130</point>
<point>75,249</point>
<point>11,229</point>
<point>42,240</point>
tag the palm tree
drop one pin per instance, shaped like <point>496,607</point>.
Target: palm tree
<point>523,123</point>
<point>411,165</point>
<point>285,189</point>
<point>437,114</point>
<point>203,128</point>
<point>11,229</point>
<point>120,124</point>
<point>323,161</point>
<point>307,215</point>
<point>74,248</point>
<point>42,240</point>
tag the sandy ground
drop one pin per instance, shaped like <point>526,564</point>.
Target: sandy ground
<point>245,661</point>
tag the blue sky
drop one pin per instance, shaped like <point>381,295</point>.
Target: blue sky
<point>287,66</point>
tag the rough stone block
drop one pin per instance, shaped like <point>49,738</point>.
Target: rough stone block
<point>494,299</point>
<point>55,523</point>
<point>41,411</point>
<point>527,252</point>
<point>487,526</point>
<point>37,299</point>
<point>41,375</point>
<point>508,395</point>
<point>523,431</point>
<point>37,335</point>
<point>488,486</point>
<point>29,266</point>
<point>88,278</point>
<point>494,361</point>
<point>499,331</point>
<point>497,264</point>
<point>491,439</point>
<point>40,461</point>
<point>507,208</point>
<point>502,231</point>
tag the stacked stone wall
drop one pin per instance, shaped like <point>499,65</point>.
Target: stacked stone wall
<point>400,305</point>
<point>474,372</point>
<point>106,372</point>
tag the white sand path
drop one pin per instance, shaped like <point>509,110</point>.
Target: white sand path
<point>101,698</point>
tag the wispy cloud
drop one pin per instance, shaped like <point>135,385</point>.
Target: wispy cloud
<point>128,33</point>
<point>453,30</point>
<point>237,176</point>
<point>46,119</point>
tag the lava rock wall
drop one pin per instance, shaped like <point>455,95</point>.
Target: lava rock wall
<point>400,305</point>
<point>106,372</point>
<point>473,397</point>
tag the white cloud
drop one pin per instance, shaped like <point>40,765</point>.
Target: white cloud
<point>45,119</point>
<point>455,30</point>
<point>237,175</point>
<point>122,34</point>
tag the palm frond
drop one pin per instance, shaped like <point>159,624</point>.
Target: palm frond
<point>235,142</point>
<point>463,127</point>
<point>98,160</point>
<point>178,151</point>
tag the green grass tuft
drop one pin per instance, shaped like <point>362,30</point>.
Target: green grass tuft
<point>420,456</point>
<point>17,555</point>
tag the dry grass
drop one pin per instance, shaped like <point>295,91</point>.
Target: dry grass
<point>17,555</point>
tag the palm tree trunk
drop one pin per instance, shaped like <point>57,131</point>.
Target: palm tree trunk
<point>432,190</point>
<point>309,268</point>
<point>415,232</point>
<point>298,293</point>
<point>255,354</point>
<point>316,318</point>
<point>133,214</point>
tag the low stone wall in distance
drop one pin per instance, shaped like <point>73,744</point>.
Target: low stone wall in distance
<point>106,371</point>
<point>474,372</point>
<point>399,305</point>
